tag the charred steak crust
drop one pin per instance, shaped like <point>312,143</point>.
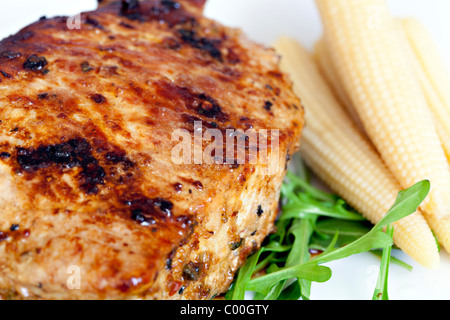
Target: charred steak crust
<point>92,205</point>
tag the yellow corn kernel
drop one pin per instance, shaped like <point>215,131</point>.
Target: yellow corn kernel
<point>362,40</point>
<point>335,149</point>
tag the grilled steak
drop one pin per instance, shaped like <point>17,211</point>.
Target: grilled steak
<point>94,204</point>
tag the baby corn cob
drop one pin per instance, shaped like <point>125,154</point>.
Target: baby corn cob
<point>433,75</point>
<point>363,42</point>
<point>335,149</point>
<point>328,71</point>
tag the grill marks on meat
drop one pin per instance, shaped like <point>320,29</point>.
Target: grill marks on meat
<point>202,104</point>
<point>78,153</point>
<point>75,153</point>
<point>86,169</point>
<point>204,44</point>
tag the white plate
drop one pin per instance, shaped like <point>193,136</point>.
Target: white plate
<point>264,21</point>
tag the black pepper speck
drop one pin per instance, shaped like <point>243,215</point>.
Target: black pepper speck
<point>35,63</point>
<point>268,105</point>
<point>260,211</point>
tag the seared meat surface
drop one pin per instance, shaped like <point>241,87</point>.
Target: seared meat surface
<point>93,205</point>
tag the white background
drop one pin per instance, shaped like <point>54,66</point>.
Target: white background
<point>264,21</point>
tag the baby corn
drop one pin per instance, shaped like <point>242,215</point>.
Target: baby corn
<point>328,71</point>
<point>363,42</point>
<point>433,75</point>
<point>337,152</point>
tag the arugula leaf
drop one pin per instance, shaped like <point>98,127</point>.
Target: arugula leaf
<point>316,193</point>
<point>302,230</point>
<point>381,289</point>
<point>313,219</point>
<point>406,203</point>
<point>309,272</point>
<point>305,206</point>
